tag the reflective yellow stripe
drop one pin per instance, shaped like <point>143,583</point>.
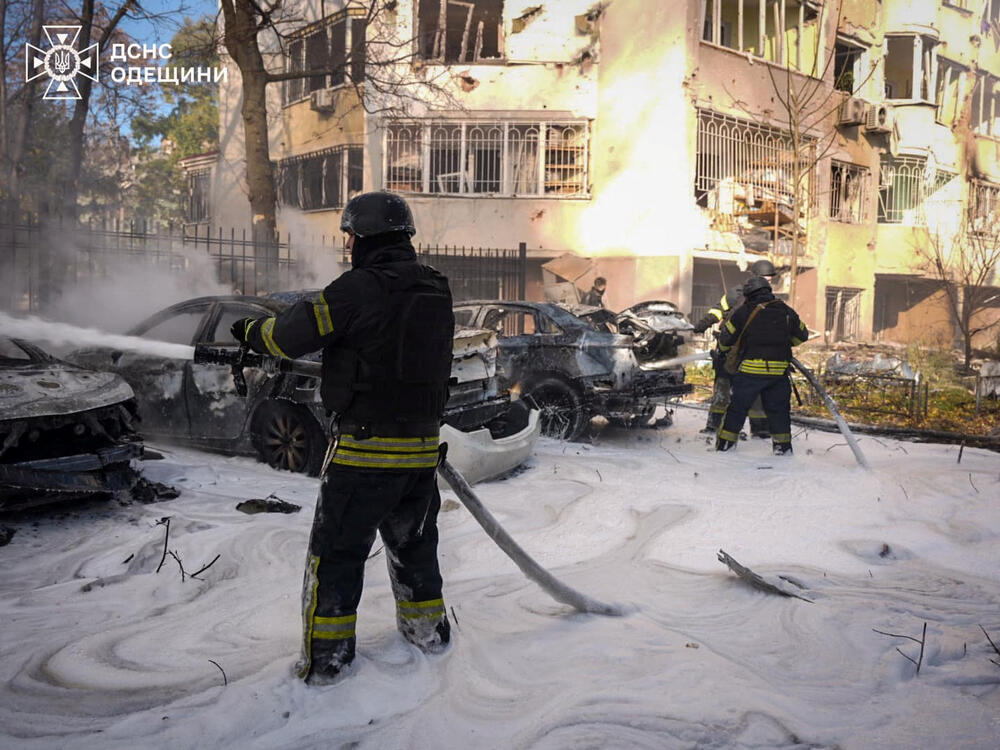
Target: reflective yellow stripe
<point>246,329</point>
<point>324,323</point>
<point>387,452</point>
<point>727,435</point>
<point>716,313</point>
<point>784,437</point>
<point>266,335</point>
<point>764,366</point>
<point>362,460</point>
<point>393,445</point>
<point>730,327</point>
<point>334,628</point>
<point>432,608</point>
<point>795,341</point>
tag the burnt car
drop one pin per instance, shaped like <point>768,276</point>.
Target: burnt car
<point>65,432</point>
<point>281,419</point>
<point>574,368</point>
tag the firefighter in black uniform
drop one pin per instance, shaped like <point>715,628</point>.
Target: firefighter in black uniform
<point>721,386</point>
<point>386,329</point>
<point>765,346</point>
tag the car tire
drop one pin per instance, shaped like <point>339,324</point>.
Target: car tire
<point>287,436</point>
<point>562,412</point>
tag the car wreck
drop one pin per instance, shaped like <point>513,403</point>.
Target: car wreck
<point>281,420</point>
<point>65,432</point>
<point>574,363</point>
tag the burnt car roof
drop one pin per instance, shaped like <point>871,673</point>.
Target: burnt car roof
<point>556,310</point>
<point>42,386</point>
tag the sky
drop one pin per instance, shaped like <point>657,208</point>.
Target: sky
<point>101,651</point>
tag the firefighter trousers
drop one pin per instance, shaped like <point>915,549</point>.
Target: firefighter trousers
<point>775,394</point>
<point>721,395</point>
<point>353,503</point>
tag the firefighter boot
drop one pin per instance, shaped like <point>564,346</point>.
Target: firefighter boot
<point>721,444</point>
<point>329,660</point>
<point>712,423</point>
<point>430,632</point>
<point>782,449</point>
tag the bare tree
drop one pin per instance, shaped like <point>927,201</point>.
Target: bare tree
<point>391,81</point>
<point>966,258</point>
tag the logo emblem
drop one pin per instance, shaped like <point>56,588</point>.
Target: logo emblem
<point>61,62</point>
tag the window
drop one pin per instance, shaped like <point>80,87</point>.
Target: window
<point>905,183</point>
<point>909,59</point>
<point>177,329</point>
<point>951,82</point>
<point>323,46</point>
<point>753,26</point>
<point>843,314</point>
<point>742,166</point>
<point>199,192</point>
<point>984,208</point>
<point>320,179</point>
<point>986,105</point>
<point>487,157</point>
<point>846,67</point>
<point>460,31</point>
<point>849,186</point>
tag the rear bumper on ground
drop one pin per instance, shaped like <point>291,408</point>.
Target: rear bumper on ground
<point>478,456</point>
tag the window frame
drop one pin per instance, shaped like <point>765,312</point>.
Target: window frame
<point>847,171</point>
<point>292,174</point>
<point>351,58</point>
<point>440,38</point>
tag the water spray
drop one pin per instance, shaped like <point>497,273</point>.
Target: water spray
<point>32,328</point>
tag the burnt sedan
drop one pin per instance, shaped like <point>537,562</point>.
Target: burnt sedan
<point>65,432</point>
<point>281,419</point>
<point>573,368</point>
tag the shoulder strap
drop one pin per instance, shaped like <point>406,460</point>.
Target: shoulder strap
<point>753,314</point>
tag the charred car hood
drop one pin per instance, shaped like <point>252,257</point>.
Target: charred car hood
<point>55,389</point>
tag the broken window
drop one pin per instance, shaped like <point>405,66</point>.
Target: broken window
<point>951,82</point>
<point>199,192</point>
<point>849,186</point>
<point>487,157</point>
<point>782,31</point>
<point>910,67</point>
<point>905,184</point>
<point>319,180</point>
<point>176,329</point>
<point>847,74</point>
<point>843,314</point>
<point>323,47</point>
<point>986,105</point>
<point>742,167</point>
<point>460,31</point>
<point>984,208</point>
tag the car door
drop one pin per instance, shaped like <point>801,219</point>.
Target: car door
<point>159,382</point>
<point>525,337</point>
<point>218,411</point>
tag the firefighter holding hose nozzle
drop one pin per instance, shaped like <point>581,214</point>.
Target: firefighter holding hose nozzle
<point>386,329</point>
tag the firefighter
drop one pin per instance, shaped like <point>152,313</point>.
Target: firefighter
<point>765,343</point>
<point>721,385</point>
<point>595,297</point>
<point>386,329</point>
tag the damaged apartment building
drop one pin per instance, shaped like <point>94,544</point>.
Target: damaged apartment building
<point>668,144</point>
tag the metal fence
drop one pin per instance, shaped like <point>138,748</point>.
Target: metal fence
<point>40,261</point>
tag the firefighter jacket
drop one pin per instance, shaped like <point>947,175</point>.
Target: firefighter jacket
<point>386,329</point>
<point>727,303</point>
<point>766,345</point>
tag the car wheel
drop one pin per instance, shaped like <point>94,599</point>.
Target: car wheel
<point>562,413</point>
<point>287,436</point>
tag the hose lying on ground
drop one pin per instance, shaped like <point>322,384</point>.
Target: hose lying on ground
<point>552,585</point>
<point>831,405</point>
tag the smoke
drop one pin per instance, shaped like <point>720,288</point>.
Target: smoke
<point>34,329</point>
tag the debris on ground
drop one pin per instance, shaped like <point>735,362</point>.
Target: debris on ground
<point>270,504</point>
<point>6,534</point>
<point>146,491</point>
<point>779,585</point>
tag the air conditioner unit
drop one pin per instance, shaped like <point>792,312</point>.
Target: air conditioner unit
<point>323,100</point>
<point>852,112</point>
<point>880,119</point>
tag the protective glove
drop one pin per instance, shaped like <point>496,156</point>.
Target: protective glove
<point>699,328</point>
<point>241,328</point>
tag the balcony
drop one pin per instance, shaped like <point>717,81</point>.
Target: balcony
<point>986,157</point>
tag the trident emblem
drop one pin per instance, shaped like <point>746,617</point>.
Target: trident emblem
<point>61,63</point>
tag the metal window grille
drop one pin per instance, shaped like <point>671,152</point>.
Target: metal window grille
<point>843,313</point>
<point>199,193</point>
<point>984,208</point>
<point>743,164</point>
<point>849,190</point>
<point>905,184</point>
<point>319,179</point>
<point>488,158</point>
<point>324,45</point>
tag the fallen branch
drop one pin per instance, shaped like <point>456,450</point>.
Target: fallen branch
<point>225,680</point>
<point>775,586</point>
<point>166,537</point>
<point>203,568</point>
<point>179,564</point>
<point>973,483</point>
<point>994,661</point>
<point>922,640</point>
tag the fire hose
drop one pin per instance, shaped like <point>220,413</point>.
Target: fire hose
<point>237,359</point>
